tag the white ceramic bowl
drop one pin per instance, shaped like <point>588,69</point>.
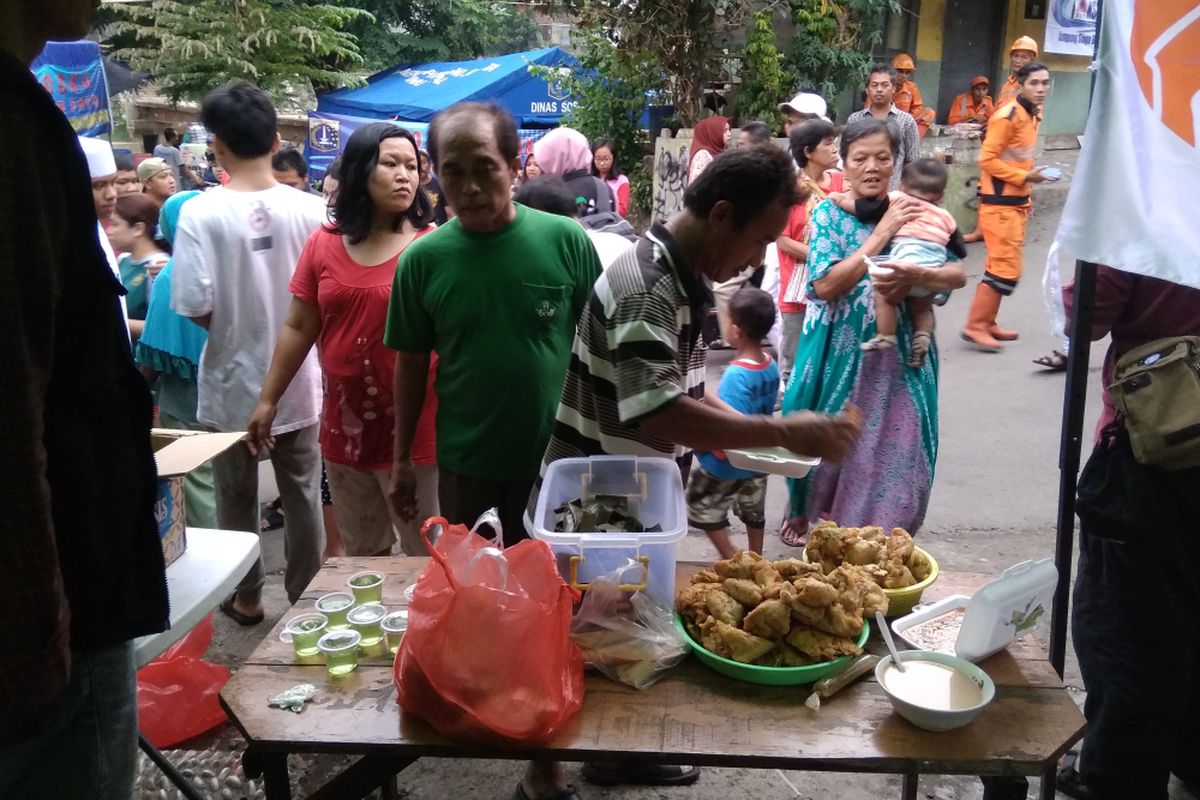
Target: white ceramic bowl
<point>932,719</point>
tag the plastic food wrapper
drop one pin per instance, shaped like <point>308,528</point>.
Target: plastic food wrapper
<point>827,688</point>
<point>294,698</point>
<point>628,638</point>
<point>600,514</point>
<point>488,656</point>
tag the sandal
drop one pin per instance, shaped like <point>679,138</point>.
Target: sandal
<point>918,348</point>
<point>792,537</point>
<point>570,793</point>
<point>1067,779</point>
<point>1055,362</point>
<point>879,342</point>
<point>245,620</point>
<point>613,774</point>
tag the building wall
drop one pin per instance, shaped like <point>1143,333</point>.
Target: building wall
<point>1066,109</point>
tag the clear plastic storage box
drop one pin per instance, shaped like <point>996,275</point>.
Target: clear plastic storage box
<point>655,492</point>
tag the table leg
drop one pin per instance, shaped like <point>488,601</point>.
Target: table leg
<point>272,768</point>
<point>997,787</point>
<point>362,777</point>
<point>1049,784</point>
<point>909,792</point>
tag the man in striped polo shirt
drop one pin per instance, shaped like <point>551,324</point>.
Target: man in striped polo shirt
<point>635,384</point>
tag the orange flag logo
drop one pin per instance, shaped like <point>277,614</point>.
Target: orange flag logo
<point>1165,48</point>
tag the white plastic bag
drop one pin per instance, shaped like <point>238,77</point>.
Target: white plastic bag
<point>627,637</point>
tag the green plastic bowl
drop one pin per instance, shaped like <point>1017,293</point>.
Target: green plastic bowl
<point>766,676</point>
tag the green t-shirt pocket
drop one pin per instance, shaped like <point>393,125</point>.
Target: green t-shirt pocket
<point>547,307</point>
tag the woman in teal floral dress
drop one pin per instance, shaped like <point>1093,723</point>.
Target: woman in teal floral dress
<point>886,477</point>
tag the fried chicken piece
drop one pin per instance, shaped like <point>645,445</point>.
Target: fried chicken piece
<point>871,533</point>
<point>898,576</point>
<point>745,591</point>
<point>899,546</point>
<point>819,646</point>
<point>920,565</point>
<point>738,644</point>
<point>770,619</point>
<point>841,621</point>
<point>711,640</point>
<point>790,568</point>
<point>863,551</point>
<point>814,591</point>
<point>692,602</point>
<point>858,590</point>
<point>741,566</point>
<point>772,592</point>
<point>791,657</point>
<point>825,545</point>
<point>724,608</point>
<point>705,576</point>
<point>765,574</point>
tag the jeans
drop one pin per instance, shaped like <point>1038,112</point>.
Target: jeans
<point>296,460</point>
<point>86,748</point>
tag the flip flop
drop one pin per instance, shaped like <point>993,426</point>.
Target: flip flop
<point>1067,779</point>
<point>569,793</point>
<point>245,620</point>
<point>640,774</point>
<point>791,537</point>
<point>1055,362</point>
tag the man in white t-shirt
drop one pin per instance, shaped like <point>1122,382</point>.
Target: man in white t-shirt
<point>235,251</point>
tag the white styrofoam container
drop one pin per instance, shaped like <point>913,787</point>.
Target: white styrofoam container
<point>655,492</point>
<point>772,460</point>
<point>1001,611</point>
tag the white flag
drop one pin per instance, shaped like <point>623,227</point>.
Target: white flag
<point>1135,200</point>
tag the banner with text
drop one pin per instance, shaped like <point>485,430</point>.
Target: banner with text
<point>73,74</point>
<point>1071,27</point>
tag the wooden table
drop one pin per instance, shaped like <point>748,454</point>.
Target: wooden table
<point>692,716</point>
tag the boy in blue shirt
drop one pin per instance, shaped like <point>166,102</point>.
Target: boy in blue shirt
<point>749,386</point>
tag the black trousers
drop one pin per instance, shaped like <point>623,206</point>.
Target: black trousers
<point>1136,630</point>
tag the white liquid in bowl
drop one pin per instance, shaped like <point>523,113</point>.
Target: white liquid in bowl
<point>934,686</point>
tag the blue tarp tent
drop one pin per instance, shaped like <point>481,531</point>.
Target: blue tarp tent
<point>418,92</point>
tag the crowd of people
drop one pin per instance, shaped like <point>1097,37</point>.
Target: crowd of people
<point>436,342</point>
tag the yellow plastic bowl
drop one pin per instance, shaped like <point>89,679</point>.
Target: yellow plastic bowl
<point>902,601</point>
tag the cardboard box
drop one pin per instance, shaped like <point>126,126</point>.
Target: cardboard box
<point>177,453</point>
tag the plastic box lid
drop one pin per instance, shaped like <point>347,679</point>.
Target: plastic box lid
<point>653,486</point>
<point>1001,611</point>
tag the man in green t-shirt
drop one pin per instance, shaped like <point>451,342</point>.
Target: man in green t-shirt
<point>496,293</point>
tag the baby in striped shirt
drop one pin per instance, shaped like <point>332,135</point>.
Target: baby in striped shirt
<point>924,241</point>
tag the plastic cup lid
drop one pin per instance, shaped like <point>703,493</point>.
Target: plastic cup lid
<point>339,641</point>
<point>395,622</point>
<point>293,625</point>
<point>366,614</point>
<point>335,601</point>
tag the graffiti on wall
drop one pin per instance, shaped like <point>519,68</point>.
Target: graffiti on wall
<point>670,173</point>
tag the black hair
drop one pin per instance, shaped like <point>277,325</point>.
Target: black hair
<point>504,128</point>
<point>752,310</point>
<point>124,162</point>
<point>289,158</point>
<point>749,178</point>
<point>548,193</point>
<point>925,175</point>
<point>870,126</point>
<point>806,136</point>
<point>882,69</point>
<point>353,210</point>
<point>615,170</point>
<point>334,170</point>
<point>1033,66</point>
<point>170,135</point>
<point>759,132</point>
<point>241,115</point>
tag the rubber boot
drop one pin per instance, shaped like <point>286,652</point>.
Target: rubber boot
<point>1002,334</point>
<point>980,317</point>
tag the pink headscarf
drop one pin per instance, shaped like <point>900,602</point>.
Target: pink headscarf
<point>561,151</point>
<point>708,135</point>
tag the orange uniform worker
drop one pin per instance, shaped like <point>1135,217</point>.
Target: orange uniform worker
<point>973,106</point>
<point>1023,51</point>
<point>1006,176</point>
<point>908,96</point>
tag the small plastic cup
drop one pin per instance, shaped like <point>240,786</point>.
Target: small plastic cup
<point>394,626</point>
<point>341,651</point>
<point>304,631</point>
<point>365,620</point>
<point>367,587</point>
<point>335,606</point>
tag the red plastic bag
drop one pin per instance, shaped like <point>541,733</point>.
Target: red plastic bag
<point>177,692</point>
<point>487,657</point>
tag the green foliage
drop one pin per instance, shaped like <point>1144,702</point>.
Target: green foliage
<point>418,31</point>
<point>831,49</point>
<point>610,88</point>
<point>763,80</point>
<point>288,47</point>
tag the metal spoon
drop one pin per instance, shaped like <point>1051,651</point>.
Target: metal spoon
<point>887,638</point>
